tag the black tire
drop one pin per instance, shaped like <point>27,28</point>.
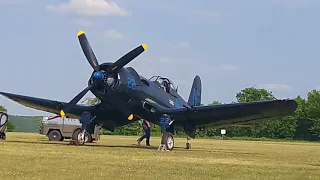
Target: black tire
<point>54,135</point>
<point>188,146</point>
<point>3,115</point>
<point>75,136</point>
<point>76,139</point>
<point>168,140</point>
<point>88,138</point>
<point>3,136</point>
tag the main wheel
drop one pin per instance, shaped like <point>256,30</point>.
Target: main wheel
<point>78,137</point>
<point>168,140</point>
<point>54,135</point>
<point>88,138</point>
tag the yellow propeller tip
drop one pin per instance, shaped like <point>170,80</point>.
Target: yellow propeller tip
<point>145,47</point>
<point>62,113</point>
<point>80,32</point>
<point>130,117</point>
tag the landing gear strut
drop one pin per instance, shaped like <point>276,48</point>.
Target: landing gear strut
<point>80,136</point>
<point>167,140</point>
<point>188,144</point>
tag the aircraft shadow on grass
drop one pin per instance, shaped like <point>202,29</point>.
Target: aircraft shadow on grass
<point>125,97</point>
<point>135,146</point>
<point>93,144</point>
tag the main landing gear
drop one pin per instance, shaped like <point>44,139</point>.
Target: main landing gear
<point>167,129</point>
<point>167,140</point>
<point>80,136</point>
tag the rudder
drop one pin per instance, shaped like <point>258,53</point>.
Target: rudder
<point>195,93</point>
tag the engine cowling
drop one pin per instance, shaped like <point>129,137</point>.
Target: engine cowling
<point>104,79</point>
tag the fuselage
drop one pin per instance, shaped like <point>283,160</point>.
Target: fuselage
<point>144,97</point>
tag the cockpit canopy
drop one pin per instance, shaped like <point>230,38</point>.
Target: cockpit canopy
<point>161,81</point>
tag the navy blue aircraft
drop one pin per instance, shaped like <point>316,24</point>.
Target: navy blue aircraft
<point>125,97</point>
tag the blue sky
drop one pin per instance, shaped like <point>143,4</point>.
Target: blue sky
<point>231,45</point>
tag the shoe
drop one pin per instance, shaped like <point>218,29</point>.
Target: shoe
<point>148,145</point>
<point>139,142</point>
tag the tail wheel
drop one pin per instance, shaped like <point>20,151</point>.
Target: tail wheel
<point>54,135</point>
<point>2,135</point>
<point>188,146</point>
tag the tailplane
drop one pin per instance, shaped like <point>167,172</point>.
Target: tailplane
<point>195,93</point>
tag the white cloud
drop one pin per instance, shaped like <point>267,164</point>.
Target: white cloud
<point>90,8</point>
<point>113,34</point>
<point>83,22</point>
<point>207,14</point>
<point>277,87</point>
<point>228,67</point>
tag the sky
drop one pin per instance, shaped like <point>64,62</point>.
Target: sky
<point>231,45</point>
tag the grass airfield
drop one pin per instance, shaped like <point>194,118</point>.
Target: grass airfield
<point>32,156</point>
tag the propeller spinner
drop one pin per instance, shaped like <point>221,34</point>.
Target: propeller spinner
<point>98,75</point>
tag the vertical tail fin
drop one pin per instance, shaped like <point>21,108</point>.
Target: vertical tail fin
<point>195,93</point>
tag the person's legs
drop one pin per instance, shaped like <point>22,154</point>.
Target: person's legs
<point>148,137</point>
<point>142,137</point>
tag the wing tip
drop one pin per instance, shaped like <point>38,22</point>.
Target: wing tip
<point>288,105</point>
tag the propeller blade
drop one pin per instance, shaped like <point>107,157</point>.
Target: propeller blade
<point>74,101</point>
<point>127,58</point>
<point>87,50</point>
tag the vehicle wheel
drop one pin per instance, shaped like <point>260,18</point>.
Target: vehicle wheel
<point>2,135</point>
<point>3,118</point>
<point>54,135</point>
<point>168,140</point>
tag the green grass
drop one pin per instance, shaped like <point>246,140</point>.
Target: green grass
<point>32,156</point>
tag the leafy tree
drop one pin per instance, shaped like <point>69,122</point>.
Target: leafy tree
<point>281,128</point>
<point>3,109</point>
<point>254,94</point>
<point>91,101</point>
<point>215,103</point>
<point>312,110</point>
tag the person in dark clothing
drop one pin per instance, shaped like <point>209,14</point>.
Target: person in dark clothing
<point>146,127</point>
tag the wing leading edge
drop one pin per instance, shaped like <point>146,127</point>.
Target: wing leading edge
<point>238,113</point>
<point>46,105</point>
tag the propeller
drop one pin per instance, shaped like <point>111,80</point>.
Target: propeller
<point>98,75</point>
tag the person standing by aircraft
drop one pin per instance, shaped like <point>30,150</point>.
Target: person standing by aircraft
<point>146,128</point>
